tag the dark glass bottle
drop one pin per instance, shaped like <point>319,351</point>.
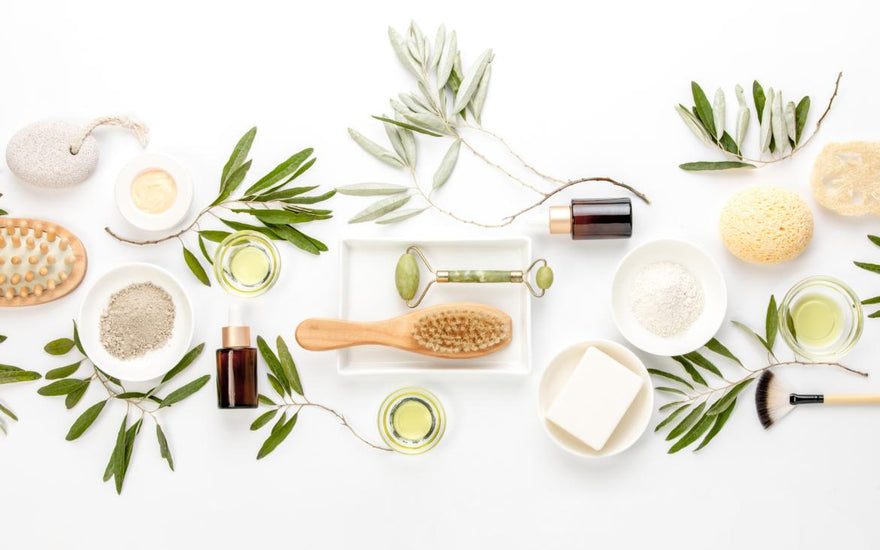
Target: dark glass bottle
<point>237,370</point>
<point>593,219</point>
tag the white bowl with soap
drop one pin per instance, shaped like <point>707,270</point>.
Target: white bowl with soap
<point>595,399</point>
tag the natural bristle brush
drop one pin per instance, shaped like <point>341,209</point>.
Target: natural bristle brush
<point>773,400</point>
<point>455,331</point>
<point>39,262</point>
<point>407,276</point>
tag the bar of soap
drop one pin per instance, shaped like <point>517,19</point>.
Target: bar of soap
<point>595,398</point>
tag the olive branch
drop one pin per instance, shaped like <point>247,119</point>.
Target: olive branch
<point>448,104</point>
<point>706,407</point>
<point>275,207</point>
<point>142,404</point>
<point>284,378</point>
<point>873,268</point>
<point>12,375</point>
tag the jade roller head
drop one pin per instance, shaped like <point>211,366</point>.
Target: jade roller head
<point>407,276</point>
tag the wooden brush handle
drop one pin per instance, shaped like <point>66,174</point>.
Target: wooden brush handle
<point>853,399</point>
<point>328,334</point>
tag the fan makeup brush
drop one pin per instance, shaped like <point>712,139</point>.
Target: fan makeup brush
<point>773,400</point>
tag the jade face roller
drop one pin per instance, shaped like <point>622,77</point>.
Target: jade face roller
<point>407,276</point>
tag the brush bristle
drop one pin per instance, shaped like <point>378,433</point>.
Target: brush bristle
<point>460,330</point>
<point>771,400</point>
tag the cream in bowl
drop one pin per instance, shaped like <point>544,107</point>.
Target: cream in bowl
<point>154,192</point>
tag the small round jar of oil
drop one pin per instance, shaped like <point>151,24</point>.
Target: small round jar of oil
<point>412,421</point>
<point>820,318</point>
<point>247,263</point>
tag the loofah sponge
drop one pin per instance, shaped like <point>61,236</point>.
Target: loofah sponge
<point>846,178</point>
<point>766,225</point>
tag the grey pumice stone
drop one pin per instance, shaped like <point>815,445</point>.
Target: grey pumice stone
<point>39,154</point>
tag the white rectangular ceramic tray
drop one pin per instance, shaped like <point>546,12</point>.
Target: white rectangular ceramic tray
<point>368,293</point>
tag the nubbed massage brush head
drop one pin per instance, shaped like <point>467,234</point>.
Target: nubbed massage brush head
<point>39,262</point>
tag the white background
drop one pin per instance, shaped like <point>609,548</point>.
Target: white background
<point>581,89</point>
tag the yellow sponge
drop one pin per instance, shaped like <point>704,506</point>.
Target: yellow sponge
<point>766,225</point>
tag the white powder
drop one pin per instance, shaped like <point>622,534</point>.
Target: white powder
<point>666,298</point>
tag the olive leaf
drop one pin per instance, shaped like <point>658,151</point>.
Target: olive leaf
<point>288,366</point>
<point>274,365</point>
<point>670,376</point>
<point>447,59</point>
<point>60,346</point>
<point>164,450</point>
<point>727,400</point>
<point>703,108</point>
<point>479,99</point>
<point>371,189</point>
<point>184,391</point>
<point>692,122</point>
<point>447,165</point>
<point>720,421</point>
<point>376,150</point>
<point>699,360</point>
<point>184,362</point>
<point>691,370</point>
<point>61,387</point>
<point>471,81</point>
<point>405,126</point>
<point>719,108</point>
<point>400,215</point>
<point>239,154</point>
<point>85,420</point>
<point>277,437</point>
<point>263,419</point>
<point>193,263</point>
<point>204,250</point>
<point>672,416</point>
<point>380,208</point>
<point>715,346</point>
<point>698,429</point>
<point>686,423</point>
<point>772,323</point>
<point>801,112</point>
<point>703,166</point>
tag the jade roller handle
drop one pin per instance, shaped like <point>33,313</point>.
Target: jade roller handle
<point>479,276</point>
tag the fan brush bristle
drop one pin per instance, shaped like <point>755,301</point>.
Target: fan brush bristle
<point>460,330</point>
<point>771,400</point>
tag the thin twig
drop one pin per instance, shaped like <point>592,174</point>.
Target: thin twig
<point>517,156</point>
<point>339,416</point>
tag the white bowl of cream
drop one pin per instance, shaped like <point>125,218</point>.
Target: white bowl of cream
<point>154,192</point>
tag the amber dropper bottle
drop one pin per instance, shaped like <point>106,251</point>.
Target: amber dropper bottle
<point>236,366</point>
<point>593,219</point>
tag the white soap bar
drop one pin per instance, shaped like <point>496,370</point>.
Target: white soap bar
<point>595,398</point>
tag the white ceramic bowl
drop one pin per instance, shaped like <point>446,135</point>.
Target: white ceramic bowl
<point>155,363</point>
<point>144,220</point>
<point>633,423</point>
<point>701,266</point>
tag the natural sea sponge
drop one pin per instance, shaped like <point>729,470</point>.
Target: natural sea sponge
<point>766,225</point>
<point>846,178</point>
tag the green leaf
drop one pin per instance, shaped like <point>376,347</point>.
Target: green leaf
<point>276,385</point>
<point>699,360</point>
<point>280,217</point>
<point>117,456</point>
<point>479,99</point>
<point>18,375</point>
<point>874,268</point>
<point>61,346</point>
<point>874,315</point>
<point>371,189</point>
<point>667,389</point>
<point>720,421</point>
<point>718,165</point>
<point>265,400</point>
<point>727,143</point>
<point>447,165</point>
<point>214,236</point>
<point>754,334</point>
<point>728,399</point>
<point>130,395</point>
<point>719,348</point>
<point>694,124</point>
<point>193,263</point>
<point>670,376</point>
<point>471,82</point>
<point>164,451</point>
<point>398,43</point>
<point>276,437</point>
<point>670,405</point>
<point>273,364</point>
<point>238,156</point>
<point>671,417</point>
<point>380,208</point>
<point>693,434</point>
<point>686,422</point>
<point>76,340</point>
<point>184,362</point>
<point>772,322</point>
<point>184,391</point>
<point>874,239</point>
<point>800,113</point>
<point>2,338</point>
<point>376,150</point>
<point>232,183</point>
<point>691,370</point>
<point>405,125</point>
<point>760,99</point>
<point>8,412</point>
<point>263,419</point>
<point>205,250</point>
<point>281,171</point>
<point>312,199</point>
<point>297,238</point>
<point>238,226</point>
<point>288,366</point>
<point>447,59</point>
<point>704,108</point>
<point>61,387</point>
<point>74,397</point>
<point>85,420</point>
<point>130,436</point>
<point>400,215</point>
<point>871,301</point>
<point>283,194</point>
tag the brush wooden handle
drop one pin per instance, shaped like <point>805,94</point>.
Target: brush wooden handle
<point>329,334</point>
<point>853,399</point>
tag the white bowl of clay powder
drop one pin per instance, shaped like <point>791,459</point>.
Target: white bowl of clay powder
<point>136,322</point>
<point>668,298</point>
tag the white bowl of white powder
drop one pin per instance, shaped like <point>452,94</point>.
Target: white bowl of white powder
<point>668,297</point>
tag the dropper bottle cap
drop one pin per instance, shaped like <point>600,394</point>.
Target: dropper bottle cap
<point>236,334</point>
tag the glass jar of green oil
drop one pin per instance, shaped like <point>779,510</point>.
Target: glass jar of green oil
<point>247,263</point>
<point>412,421</point>
<point>820,318</point>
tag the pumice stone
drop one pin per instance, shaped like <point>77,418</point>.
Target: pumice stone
<point>40,154</point>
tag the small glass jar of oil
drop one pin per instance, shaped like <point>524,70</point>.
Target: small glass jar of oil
<point>247,263</point>
<point>820,318</point>
<point>412,421</point>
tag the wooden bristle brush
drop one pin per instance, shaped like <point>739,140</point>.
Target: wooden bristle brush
<point>773,400</point>
<point>39,262</point>
<point>454,331</point>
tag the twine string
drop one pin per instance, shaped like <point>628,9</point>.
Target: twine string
<point>140,130</point>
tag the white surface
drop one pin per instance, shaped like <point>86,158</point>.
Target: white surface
<point>161,221</point>
<point>95,301</point>
<point>704,270</point>
<point>595,398</point>
<point>367,293</point>
<point>582,89</point>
